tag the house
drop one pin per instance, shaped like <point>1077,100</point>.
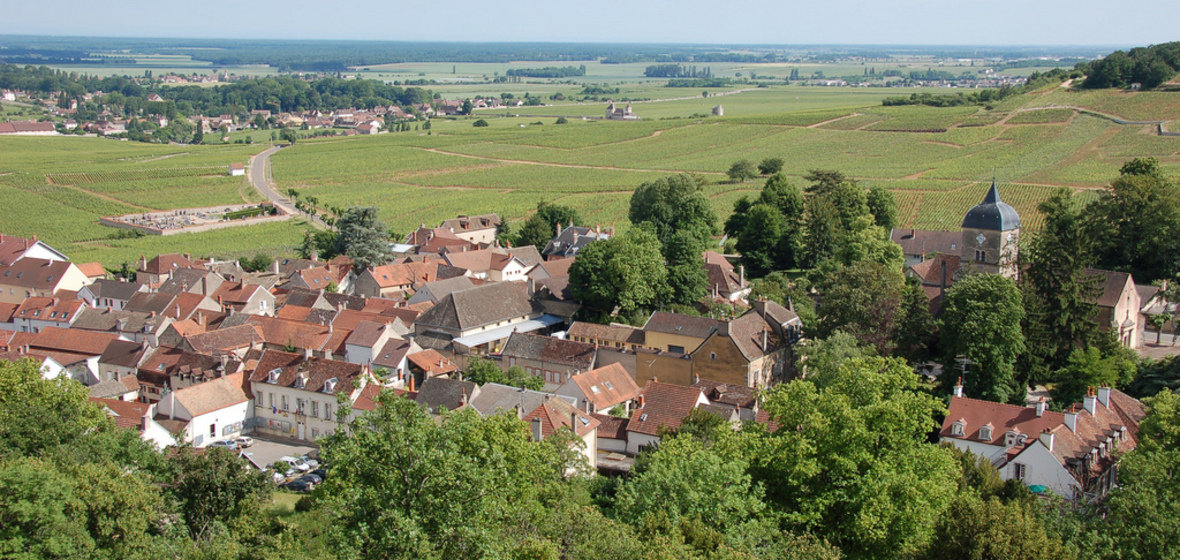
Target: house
<point>28,128</point>
<point>250,299</point>
<point>49,367</point>
<point>480,319</point>
<point>433,292</point>
<point>553,359</point>
<point>367,340</point>
<point>439,394</point>
<point>660,406</point>
<point>109,294</point>
<point>556,414</point>
<point>156,271</point>
<point>568,241</point>
<point>494,399</point>
<point>397,280</point>
<point>235,341</point>
<point>936,274</point>
<point>76,350</point>
<point>137,416</point>
<point>1073,454</point>
<point>30,276</point>
<point>14,248</point>
<point>678,334</point>
<point>615,335</point>
<point>279,334</point>
<point>614,113</point>
<point>215,410</point>
<point>724,282</point>
<point>435,240</point>
<point>199,281</point>
<point>121,359</point>
<point>481,229</point>
<point>920,245</point>
<point>429,363</point>
<point>393,356</point>
<point>740,399</point>
<point>315,278</point>
<point>1119,306</point>
<point>36,313</point>
<point>600,390</point>
<point>176,368</point>
<point>752,350</point>
<point>296,396</point>
<point>496,265</point>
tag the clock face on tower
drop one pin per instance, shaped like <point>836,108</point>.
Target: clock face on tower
<point>980,238</point>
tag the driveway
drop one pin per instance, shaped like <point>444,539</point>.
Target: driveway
<point>265,452</point>
<point>260,180</point>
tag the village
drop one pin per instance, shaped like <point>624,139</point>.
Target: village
<point>202,353</point>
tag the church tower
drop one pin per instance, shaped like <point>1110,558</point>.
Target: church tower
<point>991,233</point>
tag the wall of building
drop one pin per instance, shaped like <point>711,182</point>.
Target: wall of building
<point>669,368</point>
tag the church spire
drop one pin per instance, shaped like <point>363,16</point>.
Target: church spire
<point>993,194</point>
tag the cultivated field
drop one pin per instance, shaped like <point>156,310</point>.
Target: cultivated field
<point>937,161</point>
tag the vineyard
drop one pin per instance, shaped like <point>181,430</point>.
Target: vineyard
<point>936,161</point>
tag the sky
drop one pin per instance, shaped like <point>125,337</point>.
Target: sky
<point>783,22</point>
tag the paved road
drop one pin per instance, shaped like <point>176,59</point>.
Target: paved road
<point>258,177</point>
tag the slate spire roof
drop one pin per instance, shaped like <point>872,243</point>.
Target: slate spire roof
<point>992,214</point>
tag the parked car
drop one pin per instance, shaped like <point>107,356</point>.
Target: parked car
<point>297,463</point>
<point>245,442</point>
<point>311,463</point>
<point>320,472</point>
<point>224,444</point>
<point>298,485</point>
<point>314,479</point>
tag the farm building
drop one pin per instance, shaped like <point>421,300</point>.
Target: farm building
<point>237,170</point>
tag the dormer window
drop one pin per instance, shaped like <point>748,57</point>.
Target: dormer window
<point>958,428</point>
<point>301,380</point>
<point>985,433</point>
<point>1011,438</point>
<point>272,376</point>
<point>330,385</point>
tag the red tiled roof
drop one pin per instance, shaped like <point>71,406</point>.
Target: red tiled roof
<point>73,341</point>
<point>930,271</point>
<point>92,269</point>
<point>433,363</point>
<point>665,406</point>
<point>607,386</point>
<point>557,413</point>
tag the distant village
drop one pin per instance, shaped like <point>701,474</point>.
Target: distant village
<point>202,352</point>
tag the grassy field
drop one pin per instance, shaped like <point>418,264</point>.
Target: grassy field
<point>937,161</point>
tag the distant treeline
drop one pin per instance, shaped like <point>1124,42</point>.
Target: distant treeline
<point>277,94</point>
<point>1147,66</point>
<point>677,71</point>
<point>699,82</point>
<point>1036,80</point>
<point>1040,63</point>
<point>549,72</point>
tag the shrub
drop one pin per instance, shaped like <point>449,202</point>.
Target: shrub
<point>770,166</point>
<point>480,123</point>
<point>561,120</point>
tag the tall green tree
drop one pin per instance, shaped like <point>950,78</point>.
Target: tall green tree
<point>882,206</point>
<point>1135,223</point>
<point>980,323</point>
<point>759,241</point>
<point>626,272</point>
<point>1060,298</point>
<point>216,490</point>
<point>542,226</point>
<point>673,204</point>
<point>363,237</point>
<point>742,171</point>
<point>863,300</point>
<point>914,335</point>
<point>686,272</point>
<point>854,466</point>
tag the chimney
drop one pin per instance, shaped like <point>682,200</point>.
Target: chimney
<point>1104,396</point>
<point>142,262</point>
<point>274,267</point>
<point>640,402</point>
<point>696,379</point>
<point>1090,403</point>
<point>557,229</point>
<point>1041,407</point>
<point>1047,439</point>
<point>172,404</point>
<point>315,256</point>
<point>765,333</point>
<point>532,285</point>
<point>463,399</point>
<point>1071,420</point>
<point>410,386</point>
<point>741,275</point>
<point>959,388</point>
<point>308,352</point>
<point>942,282</point>
<point>536,423</point>
<point>178,311</point>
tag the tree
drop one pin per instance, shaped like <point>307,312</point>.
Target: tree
<point>771,166</point>
<point>480,123</point>
<point>854,467</point>
<point>1135,224</point>
<point>363,237</point>
<point>787,292</point>
<point>40,415</point>
<point>467,108</point>
<point>216,489</point>
<point>687,278</point>
<point>1088,368</point>
<point>672,204</point>
<point>915,331</point>
<point>980,323</point>
<point>561,120</point>
<point>541,226</point>
<point>625,272</point>
<point>481,371</point>
<point>822,357</point>
<point>883,207</point>
<point>199,133</point>
<point>864,300</point>
<point>742,171</point>
<point>976,527</point>
<point>1059,296</point>
<point>287,135</point>
<point>761,242</point>
<point>388,497</point>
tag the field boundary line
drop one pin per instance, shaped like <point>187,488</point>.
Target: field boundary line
<point>569,165</point>
<point>819,124</point>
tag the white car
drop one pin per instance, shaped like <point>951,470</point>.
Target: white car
<point>245,442</point>
<point>224,444</point>
<point>296,463</point>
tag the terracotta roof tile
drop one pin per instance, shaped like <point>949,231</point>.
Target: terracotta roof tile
<point>664,406</point>
<point>607,386</point>
<point>579,355</point>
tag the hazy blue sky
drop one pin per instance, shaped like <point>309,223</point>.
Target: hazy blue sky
<point>946,22</point>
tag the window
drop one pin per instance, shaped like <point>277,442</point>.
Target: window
<point>212,430</point>
<point>328,411</point>
<point>315,434</point>
<point>271,396</point>
<point>676,349</point>
<point>285,407</point>
<point>712,355</point>
<point>315,409</point>
<point>985,433</point>
<point>957,429</point>
<point>260,400</point>
<point>980,256</point>
<point>1019,471</point>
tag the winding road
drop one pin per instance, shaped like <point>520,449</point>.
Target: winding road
<point>257,171</point>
